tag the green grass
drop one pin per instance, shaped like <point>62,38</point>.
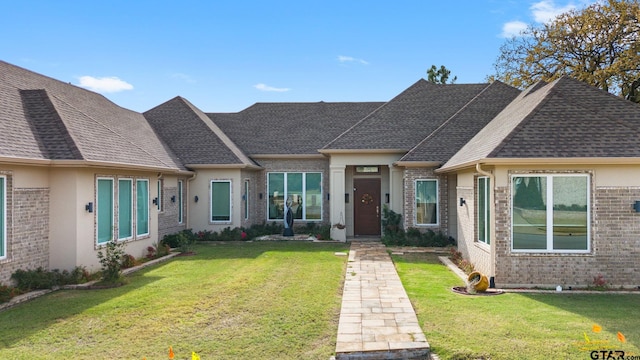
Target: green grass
<point>263,300</point>
<point>508,326</point>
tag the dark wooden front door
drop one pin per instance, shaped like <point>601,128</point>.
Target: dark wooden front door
<point>366,206</point>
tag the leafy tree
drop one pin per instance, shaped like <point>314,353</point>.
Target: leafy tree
<point>599,45</point>
<point>440,76</point>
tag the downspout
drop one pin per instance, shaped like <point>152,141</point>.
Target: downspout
<point>189,180</point>
<point>492,221</point>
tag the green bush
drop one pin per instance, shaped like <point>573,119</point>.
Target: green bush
<point>38,279</point>
<point>111,261</point>
<point>393,234</point>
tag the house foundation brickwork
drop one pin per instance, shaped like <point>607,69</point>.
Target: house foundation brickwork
<point>27,230</point>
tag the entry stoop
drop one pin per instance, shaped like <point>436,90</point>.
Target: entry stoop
<point>377,320</point>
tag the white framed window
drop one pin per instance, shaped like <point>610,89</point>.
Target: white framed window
<point>180,202</point>
<point>125,209</point>
<point>3,217</point>
<point>551,213</point>
<point>245,198</point>
<point>426,204</point>
<point>104,209</point>
<point>142,207</point>
<point>160,202</point>
<point>484,209</point>
<point>304,190</point>
<point>220,201</point>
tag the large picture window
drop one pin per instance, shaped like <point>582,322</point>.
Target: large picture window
<point>484,208</point>
<point>220,200</point>
<point>3,217</point>
<point>426,205</point>
<point>104,210</point>
<point>303,189</point>
<point>125,209</point>
<point>142,207</point>
<point>550,213</point>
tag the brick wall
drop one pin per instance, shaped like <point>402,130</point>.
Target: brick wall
<point>168,218</point>
<point>410,176</point>
<point>615,241</point>
<point>478,253</point>
<point>27,230</point>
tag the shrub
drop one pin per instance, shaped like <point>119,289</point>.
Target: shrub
<point>7,293</point>
<point>128,261</point>
<point>111,261</point>
<point>38,279</point>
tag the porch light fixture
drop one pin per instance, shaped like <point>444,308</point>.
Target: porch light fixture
<point>327,196</point>
<point>155,201</point>
<point>346,198</point>
<point>89,207</point>
<point>386,198</point>
<point>173,198</point>
<point>195,198</point>
<point>462,202</point>
<point>260,196</point>
<point>636,206</point>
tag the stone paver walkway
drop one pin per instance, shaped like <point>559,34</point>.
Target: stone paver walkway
<point>377,320</point>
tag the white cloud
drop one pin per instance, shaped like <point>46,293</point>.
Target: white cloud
<point>104,84</point>
<point>345,59</point>
<point>513,28</point>
<point>265,87</point>
<point>546,10</point>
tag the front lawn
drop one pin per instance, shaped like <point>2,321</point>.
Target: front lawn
<point>523,326</point>
<point>265,300</point>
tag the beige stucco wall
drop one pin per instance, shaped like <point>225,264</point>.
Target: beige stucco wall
<point>200,212</point>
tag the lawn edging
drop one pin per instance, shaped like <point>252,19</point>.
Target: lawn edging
<point>38,293</point>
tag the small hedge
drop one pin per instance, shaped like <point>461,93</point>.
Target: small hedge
<point>38,279</point>
<point>394,234</point>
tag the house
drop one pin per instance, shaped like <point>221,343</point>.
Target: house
<point>536,186</point>
<point>76,170</point>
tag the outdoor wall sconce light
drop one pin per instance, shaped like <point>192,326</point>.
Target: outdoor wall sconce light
<point>260,196</point>
<point>89,207</point>
<point>195,198</point>
<point>155,201</point>
<point>173,198</point>
<point>462,202</point>
<point>328,197</point>
<point>346,198</point>
<point>636,206</point>
<point>386,198</point>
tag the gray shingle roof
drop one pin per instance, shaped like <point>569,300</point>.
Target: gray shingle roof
<point>192,136</point>
<point>46,119</point>
<point>291,128</point>
<point>409,118</point>
<point>444,142</point>
<point>563,119</point>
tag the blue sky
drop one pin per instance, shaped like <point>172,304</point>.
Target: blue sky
<point>224,56</point>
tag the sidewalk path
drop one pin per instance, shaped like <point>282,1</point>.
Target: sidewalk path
<point>377,320</point>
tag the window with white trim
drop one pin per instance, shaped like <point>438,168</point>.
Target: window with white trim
<point>426,205</point>
<point>142,207</point>
<point>220,201</point>
<point>550,213</point>
<point>180,202</point>
<point>104,210</point>
<point>245,198</point>
<point>484,210</point>
<point>304,190</point>
<point>160,202</point>
<point>125,209</point>
<point>3,217</point>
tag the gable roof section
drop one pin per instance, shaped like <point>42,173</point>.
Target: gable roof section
<point>192,136</point>
<point>445,141</point>
<point>408,118</point>
<point>563,119</point>
<point>291,128</point>
<point>46,119</point>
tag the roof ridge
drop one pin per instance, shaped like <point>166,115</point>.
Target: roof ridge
<point>448,120</point>
<point>356,124</point>
<point>110,129</point>
<point>219,133</point>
